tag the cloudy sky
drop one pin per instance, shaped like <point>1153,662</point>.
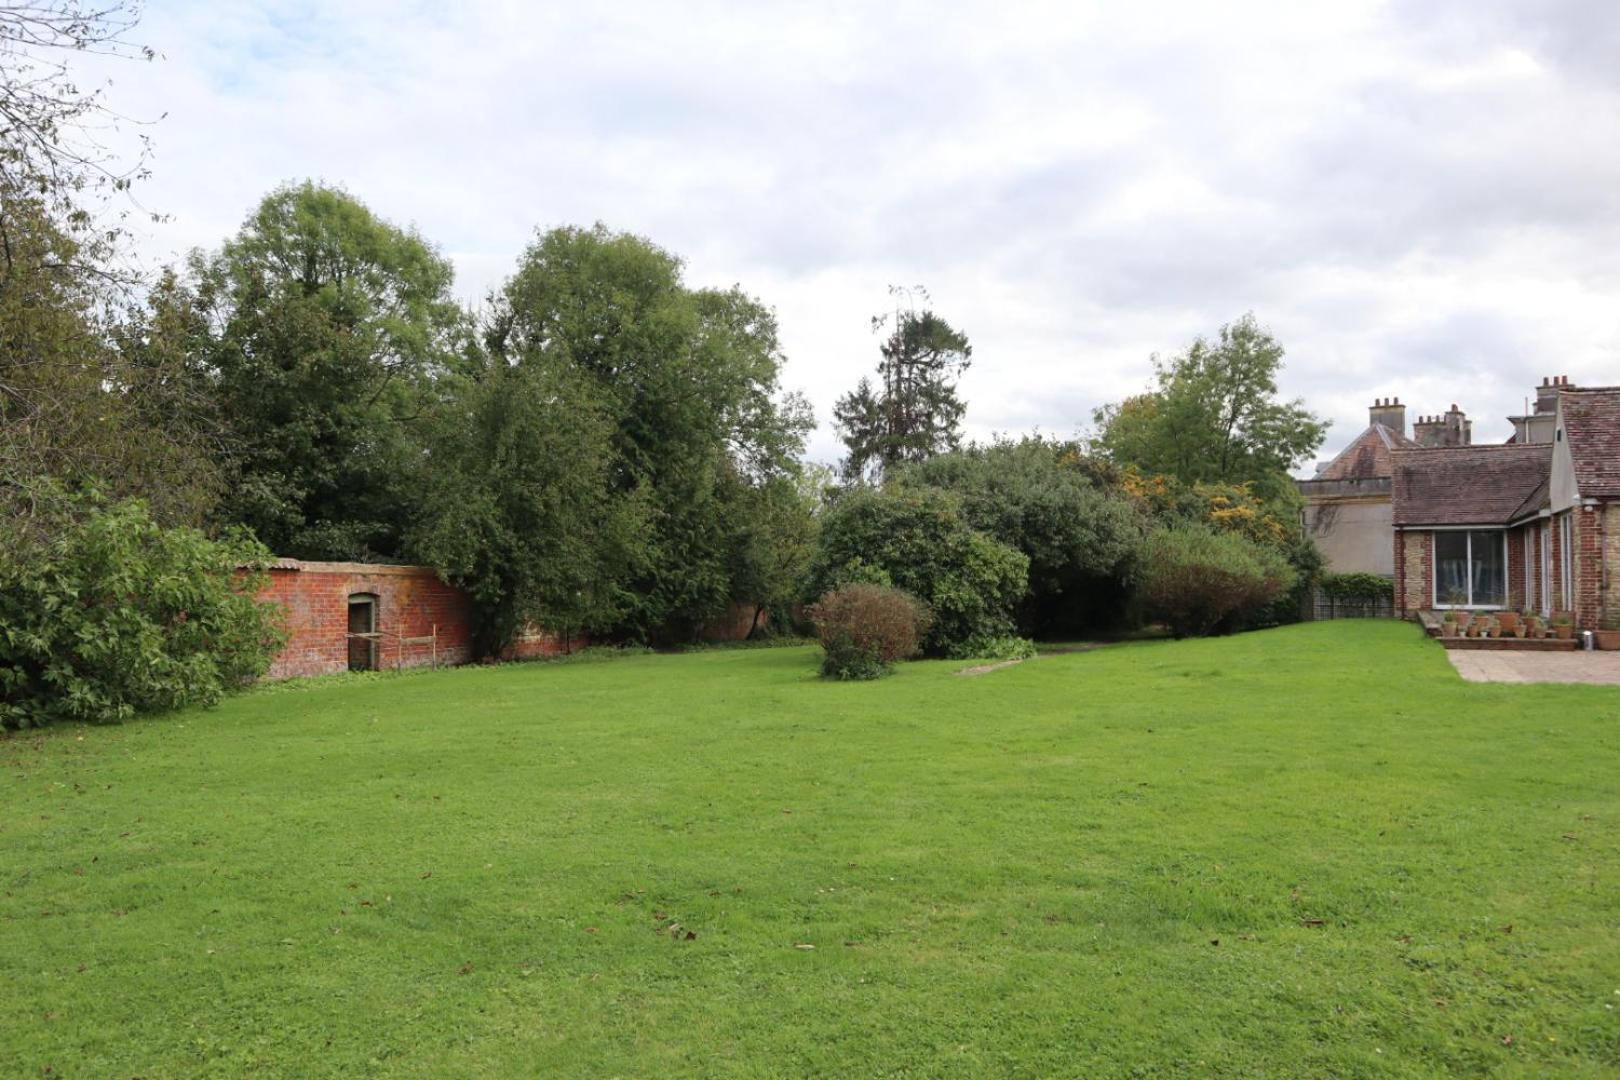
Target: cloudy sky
<point>1418,198</point>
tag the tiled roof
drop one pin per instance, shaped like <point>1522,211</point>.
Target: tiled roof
<point>1367,456</point>
<point>1467,485</point>
<point>1592,426</point>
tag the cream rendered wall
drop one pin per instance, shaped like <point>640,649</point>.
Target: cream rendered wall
<point>1562,492</point>
<point>1354,535</point>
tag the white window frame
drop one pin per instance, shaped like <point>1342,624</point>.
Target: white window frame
<point>1546,568</point>
<point>1529,571</point>
<point>1468,537</point>
<point>1566,560</point>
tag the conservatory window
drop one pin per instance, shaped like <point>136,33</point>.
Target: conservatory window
<point>1470,568</point>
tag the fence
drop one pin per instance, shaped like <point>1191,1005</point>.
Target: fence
<point>1324,606</point>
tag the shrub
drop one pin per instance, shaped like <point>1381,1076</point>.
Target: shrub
<point>1008,647</point>
<point>1366,587</point>
<point>920,541</point>
<point>104,614</point>
<point>1064,511</point>
<point>1198,581</point>
<point>864,629</point>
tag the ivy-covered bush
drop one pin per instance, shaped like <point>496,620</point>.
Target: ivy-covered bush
<point>1370,588</point>
<point>1198,581</point>
<point>919,541</point>
<point>104,614</point>
<point>865,628</point>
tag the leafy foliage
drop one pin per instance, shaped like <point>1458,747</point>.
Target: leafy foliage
<point>517,508</point>
<point>1357,586</point>
<point>688,383</point>
<point>104,613</point>
<point>773,526</point>
<point>1064,511</point>
<point>915,412</point>
<point>1199,581</point>
<point>920,541</point>
<point>53,156</point>
<point>329,334</point>
<point>864,629</point>
<point>1214,416</point>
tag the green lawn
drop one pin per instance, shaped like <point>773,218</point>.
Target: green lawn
<point>1308,851</point>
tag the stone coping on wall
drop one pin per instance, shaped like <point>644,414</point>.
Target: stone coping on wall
<point>368,569</point>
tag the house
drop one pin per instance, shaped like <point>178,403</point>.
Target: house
<point>1348,511</point>
<point>1533,523</point>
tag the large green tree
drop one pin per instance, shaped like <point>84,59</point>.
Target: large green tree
<point>913,412</point>
<point>1213,415</point>
<point>330,333</point>
<point>92,396</point>
<point>518,506</point>
<point>1063,510</point>
<point>689,381</point>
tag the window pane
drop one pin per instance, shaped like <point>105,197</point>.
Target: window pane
<point>1488,571</point>
<point>1451,568</point>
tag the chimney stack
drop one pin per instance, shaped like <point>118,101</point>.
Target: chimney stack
<point>1459,429</point>
<point>1452,429</point>
<point>1390,413</point>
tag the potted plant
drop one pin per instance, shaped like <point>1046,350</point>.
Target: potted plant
<point>1563,625</point>
<point>1509,623</point>
<point>1448,625</point>
<point>1608,636</point>
<point>1534,627</point>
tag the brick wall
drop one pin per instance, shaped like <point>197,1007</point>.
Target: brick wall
<point>1516,584</point>
<point>1414,571</point>
<point>1588,566</point>
<point>534,644</point>
<point>1610,527</point>
<point>411,602</point>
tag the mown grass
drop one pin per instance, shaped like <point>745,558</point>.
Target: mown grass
<point>1309,851</point>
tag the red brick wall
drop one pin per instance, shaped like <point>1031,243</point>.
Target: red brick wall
<point>1414,571</point>
<point>1516,583</point>
<point>1588,567</point>
<point>733,625</point>
<point>411,601</point>
<point>533,644</point>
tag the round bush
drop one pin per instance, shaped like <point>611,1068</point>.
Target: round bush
<point>865,628</point>
<point>1198,581</point>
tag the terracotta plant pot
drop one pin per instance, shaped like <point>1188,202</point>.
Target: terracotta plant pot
<point>1563,631</point>
<point>1510,624</point>
<point>1607,639</point>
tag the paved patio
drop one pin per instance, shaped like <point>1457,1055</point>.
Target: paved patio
<point>1601,668</point>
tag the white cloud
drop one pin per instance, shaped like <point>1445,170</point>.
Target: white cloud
<point>1420,199</point>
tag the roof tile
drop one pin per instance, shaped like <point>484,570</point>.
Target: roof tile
<point>1592,426</point>
<point>1467,485</point>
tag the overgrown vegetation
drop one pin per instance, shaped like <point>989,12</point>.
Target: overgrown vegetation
<point>104,613</point>
<point>918,540</point>
<point>1365,587</point>
<point>864,629</point>
<point>1200,581</point>
<point>603,448</point>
